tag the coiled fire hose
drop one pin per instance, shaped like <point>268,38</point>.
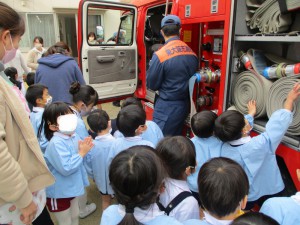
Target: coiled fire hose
<point>272,16</point>
<point>276,98</point>
<point>249,86</point>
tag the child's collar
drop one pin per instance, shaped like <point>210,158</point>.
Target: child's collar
<point>37,109</point>
<point>64,136</point>
<point>212,220</point>
<point>240,141</point>
<point>104,137</point>
<point>135,138</point>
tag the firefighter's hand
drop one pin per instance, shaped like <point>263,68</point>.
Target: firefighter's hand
<point>292,96</point>
<point>85,146</point>
<point>28,213</point>
<point>251,107</point>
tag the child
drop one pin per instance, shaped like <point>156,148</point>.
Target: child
<point>136,177</point>
<point>255,218</point>
<point>206,144</point>
<point>152,132</point>
<point>131,123</point>
<point>95,161</point>
<point>38,96</point>
<point>223,189</point>
<point>285,210</point>
<point>84,99</point>
<point>12,74</point>
<point>30,78</point>
<point>179,157</point>
<point>64,156</point>
<point>257,155</point>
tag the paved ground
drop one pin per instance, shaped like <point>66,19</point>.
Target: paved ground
<point>93,193</point>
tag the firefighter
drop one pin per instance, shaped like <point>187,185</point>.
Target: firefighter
<point>170,70</point>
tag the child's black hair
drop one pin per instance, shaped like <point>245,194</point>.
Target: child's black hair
<point>223,184</point>
<point>50,115</point>
<point>11,73</point>
<point>229,125</point>
<point>136,175</point>
<point>132,101</point>
<point>129,119</point>
<point>84,93</point>
<point>98,120</point>
<point>254,218</point>
<point>177,153</point>
<point>203,123</point>
<point>35,92</point>
<point>30,78</point>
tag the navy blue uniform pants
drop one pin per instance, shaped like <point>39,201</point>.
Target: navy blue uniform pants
<point>170,116</point>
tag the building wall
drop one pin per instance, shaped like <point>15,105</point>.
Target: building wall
<point>41,5</point>
<point>56,20</point>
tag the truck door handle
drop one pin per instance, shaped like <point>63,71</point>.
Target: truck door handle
<point>121,53</point>
<point>105,59</point>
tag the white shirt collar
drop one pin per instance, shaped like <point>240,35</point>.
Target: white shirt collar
<point>63,135</point>
<point>240,141</point>
<point>143,215</point>
<point>135,138</point>
<point>213,221</point>
<point>181,184</point>
<point>37,109</point>
<point>105,137</point>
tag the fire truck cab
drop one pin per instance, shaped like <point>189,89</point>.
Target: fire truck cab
<point>217,31</point>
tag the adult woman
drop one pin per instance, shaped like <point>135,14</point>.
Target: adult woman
<point>23,171</point>
<point>36,53</point>
<point>57,70</point>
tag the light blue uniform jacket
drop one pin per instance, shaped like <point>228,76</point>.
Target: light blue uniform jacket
<point>284,210</point>
<point>111,216</point>
<point>152,134</point>
<point>119,145</point>
<point>207,220</point>
<point>95,161</point>
<point>196,222</point>
<point>206,148</point>
<point>36,119</point>
<point>81,128</point>
<point>66,165</point>
<point>258,159</point>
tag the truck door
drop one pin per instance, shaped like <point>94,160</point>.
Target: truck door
<point>107,47</point>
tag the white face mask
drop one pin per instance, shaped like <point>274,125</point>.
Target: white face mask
<point>38,45</point>
<point>9,54</point>
<point>67,124</point>
<point>84,111</point>
<point>49,100</point>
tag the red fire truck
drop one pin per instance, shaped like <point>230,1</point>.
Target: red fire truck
<point>216,31</point>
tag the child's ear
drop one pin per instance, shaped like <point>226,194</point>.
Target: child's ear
<point>244,202</point>
<point>189,170</point>
<point>38,101</point>
<point>141,129</point>
<point>53,127</point>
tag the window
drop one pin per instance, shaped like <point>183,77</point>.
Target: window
<point>38,25</point>
<point>109,26</point>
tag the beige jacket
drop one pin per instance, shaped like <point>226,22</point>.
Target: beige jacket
<point>32,58</point>
<point>22,166</point>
